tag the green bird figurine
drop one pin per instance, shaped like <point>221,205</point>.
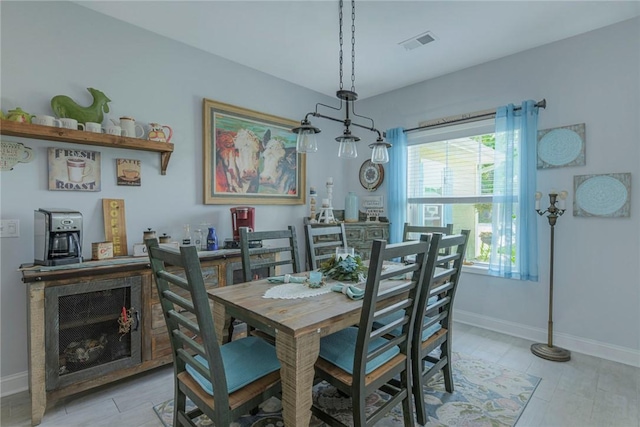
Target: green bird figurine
<point>66,107</point>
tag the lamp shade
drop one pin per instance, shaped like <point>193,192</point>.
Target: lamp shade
<point>380,154</point>
<point>306,141</point>
<point>348,149</point>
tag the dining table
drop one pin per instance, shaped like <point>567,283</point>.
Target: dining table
<point>297,325</point>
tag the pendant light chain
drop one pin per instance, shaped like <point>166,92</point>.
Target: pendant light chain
<point>340,5</point>
<point>353,45</point>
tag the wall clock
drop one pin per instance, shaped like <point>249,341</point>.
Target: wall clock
<point>371,175</point>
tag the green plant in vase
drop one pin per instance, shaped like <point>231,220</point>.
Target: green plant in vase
<point>348,269</point>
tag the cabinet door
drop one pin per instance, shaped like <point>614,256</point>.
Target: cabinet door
<point>85,333</point>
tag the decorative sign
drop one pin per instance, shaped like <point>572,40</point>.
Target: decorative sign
<point>12,153</point>
<point>562,146</point>
<point>74,170</point>
<point>115,229</point>
<point>128,172</point>
<point>607,195</point>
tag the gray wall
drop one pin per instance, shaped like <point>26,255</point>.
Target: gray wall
<point>64,48</point>
<point>594,79</point>
<point>52,48</point>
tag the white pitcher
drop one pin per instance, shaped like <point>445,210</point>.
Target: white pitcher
<point>128,124</point>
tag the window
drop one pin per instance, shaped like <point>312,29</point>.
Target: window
<point>450,181</point>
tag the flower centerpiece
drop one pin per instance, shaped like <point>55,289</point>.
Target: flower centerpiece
<point>348,268</point>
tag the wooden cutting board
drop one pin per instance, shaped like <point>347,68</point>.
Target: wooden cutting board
<point>115,228</point>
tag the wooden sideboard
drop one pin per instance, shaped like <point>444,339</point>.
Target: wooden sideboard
<point>49,380</point>
<point>360,234</point>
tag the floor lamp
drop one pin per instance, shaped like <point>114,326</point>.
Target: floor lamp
<point>549,351</point>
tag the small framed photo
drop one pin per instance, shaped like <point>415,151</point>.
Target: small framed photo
<point>128,172</point>
<point>74,170</point>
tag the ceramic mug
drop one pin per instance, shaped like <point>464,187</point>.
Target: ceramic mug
<point>71,124</point>
<point>77,169</point>
<point>131,127</point>
<point>93,127</point>
<point>115,130</point>
<point>44,120</point>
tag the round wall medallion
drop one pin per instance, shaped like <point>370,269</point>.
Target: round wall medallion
<point>601,195</point>
<point>560,147</point>
<point>371,175</point>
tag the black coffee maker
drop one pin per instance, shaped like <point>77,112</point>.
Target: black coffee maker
<point>57,236</point>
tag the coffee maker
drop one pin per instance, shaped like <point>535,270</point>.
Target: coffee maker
<point>241,216</point>
<point>57,236</point>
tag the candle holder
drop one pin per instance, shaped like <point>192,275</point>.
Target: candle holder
<point>553,212</point>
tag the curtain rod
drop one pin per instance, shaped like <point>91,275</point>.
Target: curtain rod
<point>470,118</point>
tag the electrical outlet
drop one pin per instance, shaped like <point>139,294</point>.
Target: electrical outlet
<point>10,228</point>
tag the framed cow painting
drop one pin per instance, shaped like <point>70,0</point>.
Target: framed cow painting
<point>250,157</point>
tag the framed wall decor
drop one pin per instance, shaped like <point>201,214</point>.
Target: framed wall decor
<point>74,170</point>
<point>604,195</point>
<point>128,172</point>
<point>561,146</point>
<point>250,157</point>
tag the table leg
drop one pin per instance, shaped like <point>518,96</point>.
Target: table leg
<point>221,322</point>
<point>297,357</point>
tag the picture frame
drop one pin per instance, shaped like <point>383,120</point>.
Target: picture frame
<point>74,170</point>
<point>602,195</point>
<point>562,146</point>
<point>128,172</point>
<point>250,157</point>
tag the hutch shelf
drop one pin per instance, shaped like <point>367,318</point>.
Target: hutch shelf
<point>50,133</point>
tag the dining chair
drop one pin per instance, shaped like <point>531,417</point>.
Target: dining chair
<point>360,360</point>
<point>411,232</point>
<point>279,248</point>
<point>322,242</point>
<point>434,316</point>
<point>224,382</point>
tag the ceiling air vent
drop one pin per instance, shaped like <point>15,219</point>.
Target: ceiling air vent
<point>417,41</point>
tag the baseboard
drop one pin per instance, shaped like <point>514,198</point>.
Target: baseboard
<point>615,353</point>
<point>12,384</point>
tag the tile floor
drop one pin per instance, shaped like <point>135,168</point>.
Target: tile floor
<point>583,392</point>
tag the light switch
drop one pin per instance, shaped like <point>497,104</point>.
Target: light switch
<point>10,228</point>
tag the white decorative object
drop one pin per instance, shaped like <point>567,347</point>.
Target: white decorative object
<point>295,290</point>
<point>312,205</point>
<point>326,213</point>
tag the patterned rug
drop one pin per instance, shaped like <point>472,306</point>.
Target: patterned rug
<point>485,395</point>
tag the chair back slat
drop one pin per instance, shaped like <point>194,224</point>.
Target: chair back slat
<point>321,242</point>
<point>278,254</point>
<point>410,232</point>
<point>189,318</point>
<point>398,297</point>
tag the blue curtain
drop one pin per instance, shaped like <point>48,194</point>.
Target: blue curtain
<point>514,243</point>
<point>397,183</point>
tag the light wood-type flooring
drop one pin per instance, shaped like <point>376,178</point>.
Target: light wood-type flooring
<point>586,391</point>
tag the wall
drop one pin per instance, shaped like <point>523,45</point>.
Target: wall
<point>594,79</point>
<point>51,48</point>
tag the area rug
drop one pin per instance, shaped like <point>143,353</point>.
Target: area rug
<point>485,394</point>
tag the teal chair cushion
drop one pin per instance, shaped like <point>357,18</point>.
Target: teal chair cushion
<point>340,348</point>
<point>245,360</point>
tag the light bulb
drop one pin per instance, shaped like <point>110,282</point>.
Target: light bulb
<point>348,149</point>
<point>380,154</point>
<point>306,141</point>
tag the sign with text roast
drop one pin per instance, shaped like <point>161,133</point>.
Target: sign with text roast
<point>74,170</point>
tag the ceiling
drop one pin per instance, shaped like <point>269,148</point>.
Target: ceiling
<point>297,41</point>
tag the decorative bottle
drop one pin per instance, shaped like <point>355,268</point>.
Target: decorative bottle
<point>351,207</point>
<point>212,240</point>
<point>186,238</point>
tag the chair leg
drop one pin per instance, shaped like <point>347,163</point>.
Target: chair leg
<point>417,390</point>
<point>407,410</point>
<point>446,369</point>
<point>179,405</point>
<point>230,331</point>
<point>359,406</point>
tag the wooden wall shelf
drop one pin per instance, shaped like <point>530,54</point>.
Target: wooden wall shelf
<point>50,133</point>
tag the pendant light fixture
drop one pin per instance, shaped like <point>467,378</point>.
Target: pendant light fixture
<point>306,141</point>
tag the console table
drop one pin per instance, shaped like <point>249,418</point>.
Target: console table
<point>57,300</point>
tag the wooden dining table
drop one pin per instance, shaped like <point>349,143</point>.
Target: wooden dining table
<point>297,325</point>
